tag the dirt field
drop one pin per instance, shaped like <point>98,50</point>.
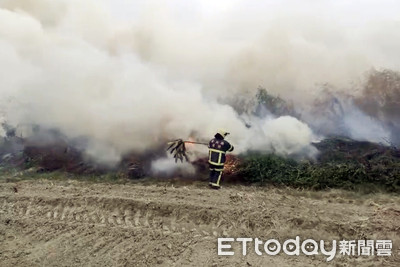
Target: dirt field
<point>71,223</point>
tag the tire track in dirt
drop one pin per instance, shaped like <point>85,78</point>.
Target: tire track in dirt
<point>66,221</point>
<point>118,212</point>
<point>166,217</point>
<point>78,224</point>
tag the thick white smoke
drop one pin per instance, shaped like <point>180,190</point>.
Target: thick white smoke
<point>167,166</point>
<point>132,74</point>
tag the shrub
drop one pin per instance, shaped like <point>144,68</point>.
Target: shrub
<point>274,169</point>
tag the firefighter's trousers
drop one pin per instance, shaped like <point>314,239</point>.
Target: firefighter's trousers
<point>215,175</point>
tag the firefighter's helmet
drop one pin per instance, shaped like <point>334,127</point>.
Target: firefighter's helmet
<point>222,132</point>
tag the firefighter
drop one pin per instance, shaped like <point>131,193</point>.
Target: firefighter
<point>218,147</point>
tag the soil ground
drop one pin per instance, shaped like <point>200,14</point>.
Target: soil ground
<point>79,223</point>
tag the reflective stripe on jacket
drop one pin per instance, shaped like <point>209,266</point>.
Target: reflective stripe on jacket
<point>217,150</point>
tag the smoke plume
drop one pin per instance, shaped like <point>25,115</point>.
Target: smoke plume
<point>130,75</point>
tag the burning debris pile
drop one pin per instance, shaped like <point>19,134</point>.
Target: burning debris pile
<point>49,150</point>
<point>341,162</point>
<point>232,169</point>
<point>342,150</point>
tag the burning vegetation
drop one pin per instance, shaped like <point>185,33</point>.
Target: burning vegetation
<point>340,162</point>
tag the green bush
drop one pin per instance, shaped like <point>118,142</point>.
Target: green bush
<point>274,169</point>
<point>267,169</point>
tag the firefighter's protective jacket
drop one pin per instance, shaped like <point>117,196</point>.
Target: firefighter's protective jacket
<point>217,150</point>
